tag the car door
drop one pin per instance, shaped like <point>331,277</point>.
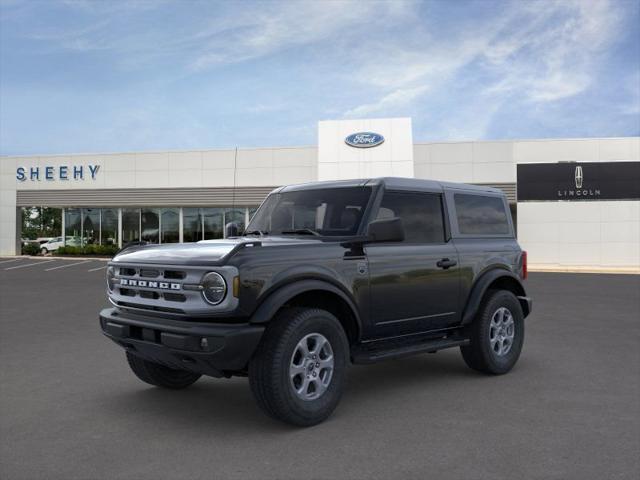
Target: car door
<point>414,284</point>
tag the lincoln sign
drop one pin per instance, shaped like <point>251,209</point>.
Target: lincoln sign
<point>579,181</point>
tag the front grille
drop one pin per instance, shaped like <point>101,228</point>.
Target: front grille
<point>174,275</point>
<point>170,289</point>
<point>148,294</point>
<point>153,295</point>
<point>174,297</point>
<point>147,273</point>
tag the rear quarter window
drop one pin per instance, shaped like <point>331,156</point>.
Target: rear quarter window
<point>481,215</point>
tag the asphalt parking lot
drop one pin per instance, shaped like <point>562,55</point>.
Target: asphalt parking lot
<point>71,409</point>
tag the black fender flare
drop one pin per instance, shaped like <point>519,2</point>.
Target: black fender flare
<point>483,283</point>
<point>282,294</point>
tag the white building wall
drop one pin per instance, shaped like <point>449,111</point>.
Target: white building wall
<point>199,168</point>
<point>556,234</point>
<point>467,162</point>
<point>8,211</point>
<point>591,234</point>
<point>339,161</point>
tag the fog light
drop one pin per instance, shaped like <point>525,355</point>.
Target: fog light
<point>204,344</point>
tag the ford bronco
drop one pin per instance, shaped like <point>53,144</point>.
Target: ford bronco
<point>325,275</point>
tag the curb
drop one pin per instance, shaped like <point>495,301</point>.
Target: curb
<point>54,257</point>
<point>597,270</point>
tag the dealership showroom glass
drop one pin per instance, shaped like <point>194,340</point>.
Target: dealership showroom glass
<point>575,202</point>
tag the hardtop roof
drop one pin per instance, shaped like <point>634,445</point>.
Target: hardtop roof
<point>401,183</point>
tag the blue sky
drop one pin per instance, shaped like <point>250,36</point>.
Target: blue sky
<point>103,76</point>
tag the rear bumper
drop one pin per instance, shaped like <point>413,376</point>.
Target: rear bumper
<point>213,349</point>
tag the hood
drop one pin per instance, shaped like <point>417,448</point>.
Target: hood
<point>205,252</point>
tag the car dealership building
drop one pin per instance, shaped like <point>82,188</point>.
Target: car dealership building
<point>576,202</point>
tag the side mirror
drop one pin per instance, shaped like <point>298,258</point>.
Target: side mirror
<point>386,230</point>
<point>232,229</point>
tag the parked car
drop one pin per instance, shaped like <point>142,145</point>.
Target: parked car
<point>55,243</point>
<point>326,274</point>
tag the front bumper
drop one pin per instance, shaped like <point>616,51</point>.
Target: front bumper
<point>213,349</point>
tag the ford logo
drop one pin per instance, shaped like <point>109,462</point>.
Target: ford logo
<point>364,139</point>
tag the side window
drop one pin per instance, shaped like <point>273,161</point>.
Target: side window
<point>421,215</point>
<point>481,215</point>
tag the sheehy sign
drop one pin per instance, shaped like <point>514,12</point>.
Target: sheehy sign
<point>579,181</point>
<point>60,172</point>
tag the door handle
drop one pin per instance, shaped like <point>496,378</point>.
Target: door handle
<point>446,263</point>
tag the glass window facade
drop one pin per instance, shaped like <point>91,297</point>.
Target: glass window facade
<point>101,226</point>
<point>237,216</point>
<point>191,225</point>
<point>170,225</point>
<point>90,226</point>
<point>213,219</point>
<point>73,226</point>
<point>150,222</point>
<point>109,226</point>
<point>130,225</point>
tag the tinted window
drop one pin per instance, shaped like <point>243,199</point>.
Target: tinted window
<point>480,215</point>
<point>421,215</point>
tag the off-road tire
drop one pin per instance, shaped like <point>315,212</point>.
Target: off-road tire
<point>479,355</point>
<point>269,375</point>
<point>159,375</point>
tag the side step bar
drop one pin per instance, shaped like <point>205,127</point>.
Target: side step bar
<point>364,355</point>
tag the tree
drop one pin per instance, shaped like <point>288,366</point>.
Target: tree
<point>41,222</point>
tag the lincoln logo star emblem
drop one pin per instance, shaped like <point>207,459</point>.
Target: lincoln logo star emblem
<point>579,177</point>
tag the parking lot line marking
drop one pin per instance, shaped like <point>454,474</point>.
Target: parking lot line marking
<point>96,269</point>
<point>9,261</point>
<point>30,264</point>
<point>65,266</point>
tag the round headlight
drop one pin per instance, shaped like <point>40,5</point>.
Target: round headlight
<point>214,288</point>
<point>111,275</point>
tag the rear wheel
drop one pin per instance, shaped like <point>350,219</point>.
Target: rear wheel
<point>496,334</point>
<point>297,374</point>
<point>159,375</point>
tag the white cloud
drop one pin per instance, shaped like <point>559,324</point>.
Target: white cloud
<point>259,32</point>
<point>398,98</point>
<point>553,55</point>
<point>538,51</point>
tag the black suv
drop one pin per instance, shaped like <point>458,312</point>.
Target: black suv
<point>326,274</point>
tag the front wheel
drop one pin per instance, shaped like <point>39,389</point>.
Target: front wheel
<point>496,334</point>
<point>159,375</point>
<point>297,374</point>
<point>44,251</point>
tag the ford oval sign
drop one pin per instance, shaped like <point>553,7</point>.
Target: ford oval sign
<point>364,139</point>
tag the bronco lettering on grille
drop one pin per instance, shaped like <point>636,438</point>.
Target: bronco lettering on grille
<point>129,282</point>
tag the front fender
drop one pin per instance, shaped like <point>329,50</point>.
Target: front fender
<point>281,295</point>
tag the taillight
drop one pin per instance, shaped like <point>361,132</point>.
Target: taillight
<point>525,270</point>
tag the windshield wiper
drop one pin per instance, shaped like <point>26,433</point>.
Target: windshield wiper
<point>301,231</point>
<point>255,232</point>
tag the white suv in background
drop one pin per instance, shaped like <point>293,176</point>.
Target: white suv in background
<point>57,242</point>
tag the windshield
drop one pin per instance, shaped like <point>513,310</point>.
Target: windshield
<point>330,212</point>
